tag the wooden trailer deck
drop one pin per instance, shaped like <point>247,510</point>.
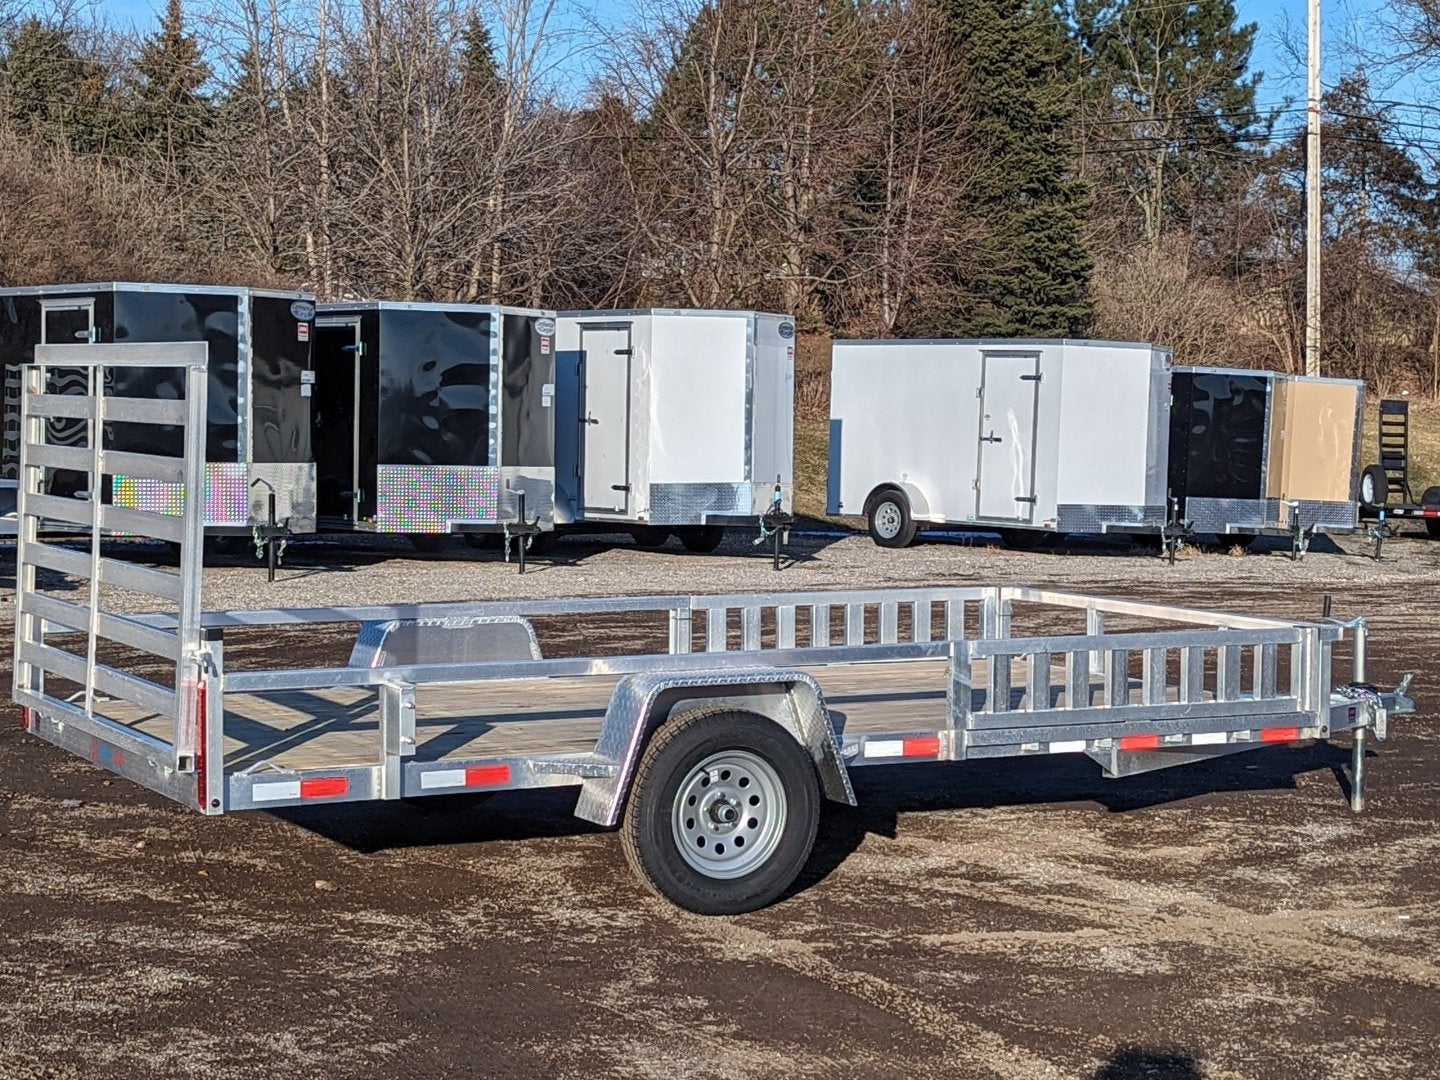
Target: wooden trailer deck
<point>302,729</point>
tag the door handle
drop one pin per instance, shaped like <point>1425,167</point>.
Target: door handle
<point>992,437</point>
<point>589,420</point>
<point>619,487</point>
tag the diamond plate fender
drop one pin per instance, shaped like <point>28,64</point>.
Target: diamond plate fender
<point>641,703</point>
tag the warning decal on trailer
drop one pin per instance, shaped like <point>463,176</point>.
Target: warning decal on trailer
<point>302,331</point>
<point>544,346</point>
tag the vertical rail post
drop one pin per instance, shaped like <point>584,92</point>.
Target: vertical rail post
<point>680,629</point>
<point>785,626</point>
<point>1357,749</point>
<point>1094,627</point>
<point>210,750</point>
<point>960,696</point>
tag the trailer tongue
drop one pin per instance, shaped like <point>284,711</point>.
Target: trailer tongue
<point>710,744</point>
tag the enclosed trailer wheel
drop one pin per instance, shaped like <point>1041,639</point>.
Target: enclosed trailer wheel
<point>650,536</point>
<point>722,812</point>
<point>1374,487</point>
<point>702,538</point>
<point>1023,539</point>
<point>891,525</point>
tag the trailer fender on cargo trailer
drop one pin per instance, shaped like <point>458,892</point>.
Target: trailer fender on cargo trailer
<point>711,737</point>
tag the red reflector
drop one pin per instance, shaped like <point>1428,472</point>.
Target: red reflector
<point>324,786</point>
<point>27,719</point>
<point>1139,742</point>
<point>925,746</point>
<point>1280,734</point>
<point>1429,512</point>
<point>485,775</point>
<point>202,785</point>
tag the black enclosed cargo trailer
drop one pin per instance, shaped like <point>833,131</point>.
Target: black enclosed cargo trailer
<point>257,438</point>
<point>433,418</point>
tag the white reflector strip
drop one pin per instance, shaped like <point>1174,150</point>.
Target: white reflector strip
<point>1208,738</point>
<point>442,778</point>
<point>885,748</point>
<point>1076,747</point>
<point>287,789</point>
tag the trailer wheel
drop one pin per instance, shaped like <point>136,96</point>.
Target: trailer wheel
<point>722,813</point>
<point>1023,539</point>
<point>891,525</point>
<point>1432,498</point>
<point>650,536</point>
<point>702,539</point>
<point>1374,487</point>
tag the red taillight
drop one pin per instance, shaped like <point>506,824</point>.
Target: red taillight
<point>1139,742</point>
<point>202,787</point>
<point>1280,734</point>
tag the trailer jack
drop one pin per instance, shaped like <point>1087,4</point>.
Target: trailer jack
<point>1173,532</point>
<point>522,530</point>
<point>775,524</point>
<point>272,537</point>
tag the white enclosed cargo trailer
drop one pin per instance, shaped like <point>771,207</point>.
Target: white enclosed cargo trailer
<point>1007,435</point>
<point>712,750</point>
<point>671,421</point>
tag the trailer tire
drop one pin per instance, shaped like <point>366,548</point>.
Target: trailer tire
<point>753,784</point>
<point>1431,497</point>
<point>650,536</point>
<point>1374,487</point>
<point>889,518</point>
<point>701,539</point>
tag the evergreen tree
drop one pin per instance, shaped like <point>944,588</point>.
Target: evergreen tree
<point>170,114</point>
<point>1170,118</point>
<point>52,93</point>
<point>1033,274</point>
<point>479,73</point>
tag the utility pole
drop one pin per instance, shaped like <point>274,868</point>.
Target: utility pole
<point>1312,198</point>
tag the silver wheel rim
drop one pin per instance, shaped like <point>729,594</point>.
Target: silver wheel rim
<point>1367,490</point>
<point>729,814</point>
<point>888,520</point>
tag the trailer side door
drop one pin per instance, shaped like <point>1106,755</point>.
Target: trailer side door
<point>1005,477</point>
<point>605,353</point>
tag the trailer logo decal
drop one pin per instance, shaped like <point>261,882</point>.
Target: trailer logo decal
<point>545,327</point>
<point>787,330</point>
<point>303,310</point>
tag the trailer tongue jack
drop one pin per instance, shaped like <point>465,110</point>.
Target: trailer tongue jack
<point>272,537</point>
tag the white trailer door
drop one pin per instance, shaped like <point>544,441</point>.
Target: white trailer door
<point>605,427</point>
<point>1009,392</point>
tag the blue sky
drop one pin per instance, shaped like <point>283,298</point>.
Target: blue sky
<point>1344,23</point>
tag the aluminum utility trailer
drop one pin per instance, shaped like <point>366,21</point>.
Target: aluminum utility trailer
<point>710,744</point>
<point>1011,435</point>
<point>260,474</point>
<point>674,421</point>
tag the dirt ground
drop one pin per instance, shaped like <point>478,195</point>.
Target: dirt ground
<point>1014,920</point>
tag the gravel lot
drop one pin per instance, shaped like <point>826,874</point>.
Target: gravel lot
<point>1019,919</point>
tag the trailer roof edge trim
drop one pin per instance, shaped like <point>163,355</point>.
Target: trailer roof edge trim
<point>154,286</point>
<point>604,313</point>
<point>335,307</point>
<point>1138,345</point>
